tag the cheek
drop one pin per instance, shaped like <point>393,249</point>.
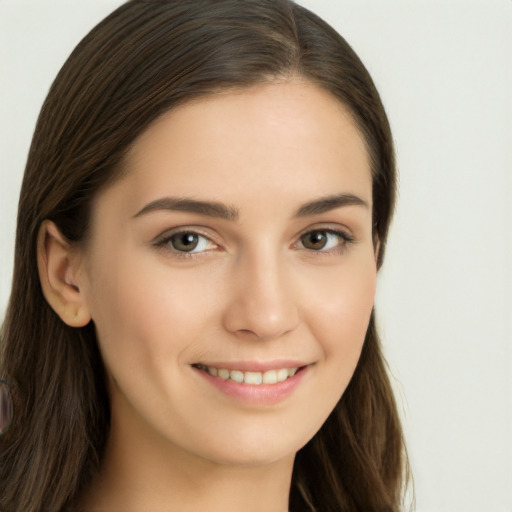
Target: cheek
<point>340,314</point>
<point>143,311</point>
<point>149,322</point>
<point>337,317</point>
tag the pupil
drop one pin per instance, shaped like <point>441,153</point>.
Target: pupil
<point>316,240</point>
<point>185,242</point>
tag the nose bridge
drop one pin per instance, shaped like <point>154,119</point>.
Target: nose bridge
<point>262,303</point>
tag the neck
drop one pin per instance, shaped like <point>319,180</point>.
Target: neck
<point>140,472</point>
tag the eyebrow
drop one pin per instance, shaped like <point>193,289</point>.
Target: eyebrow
<point>208,208</point>
<point>228,212</point>
<point>326,204</point>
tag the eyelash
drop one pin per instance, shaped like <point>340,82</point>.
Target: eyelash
<point>165,243</point>
<point>344,239</point>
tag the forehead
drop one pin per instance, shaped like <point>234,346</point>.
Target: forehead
<point>291,136</point>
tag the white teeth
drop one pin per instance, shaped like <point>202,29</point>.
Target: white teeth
<point>236,375</point>
<point>222,373</point>
<point>252,378</point>
<point>270,377</point>
<point>282,375</point>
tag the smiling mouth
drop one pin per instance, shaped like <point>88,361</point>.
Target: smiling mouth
<point>250,377</point>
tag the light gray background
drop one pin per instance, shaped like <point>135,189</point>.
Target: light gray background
<point>444,302</point>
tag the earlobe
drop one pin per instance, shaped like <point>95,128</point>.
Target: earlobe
<point>57,263</point>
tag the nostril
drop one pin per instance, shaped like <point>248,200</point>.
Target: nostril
<point>261,334</point>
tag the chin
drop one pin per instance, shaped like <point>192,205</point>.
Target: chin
<point>255,448</point>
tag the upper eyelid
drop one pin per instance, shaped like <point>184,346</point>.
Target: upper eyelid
<point>168,233</point>
<point>329,227</point>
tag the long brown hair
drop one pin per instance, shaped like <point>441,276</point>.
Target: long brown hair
<point>141,61</point>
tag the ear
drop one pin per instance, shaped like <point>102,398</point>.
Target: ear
<point>58,265</point>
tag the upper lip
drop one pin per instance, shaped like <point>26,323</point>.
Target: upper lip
<point>255,366</point>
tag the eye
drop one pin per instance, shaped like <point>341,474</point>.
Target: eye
<point>186,242</point>
<point>324,240</point>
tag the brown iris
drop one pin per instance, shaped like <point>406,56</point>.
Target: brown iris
<point>315,240</point>
<point>185,242</point>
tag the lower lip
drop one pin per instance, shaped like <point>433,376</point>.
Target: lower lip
<point>262,394</point>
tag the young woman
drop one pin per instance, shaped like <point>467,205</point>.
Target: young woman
<point>203,214</point>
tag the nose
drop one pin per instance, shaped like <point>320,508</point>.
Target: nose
<point>261,304</point>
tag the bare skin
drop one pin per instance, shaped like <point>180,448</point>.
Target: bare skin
<point>240,238</point>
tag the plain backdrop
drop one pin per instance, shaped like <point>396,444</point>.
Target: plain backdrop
<point>444,301</point>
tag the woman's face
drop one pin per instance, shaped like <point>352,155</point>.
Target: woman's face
<point>237,246</point>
